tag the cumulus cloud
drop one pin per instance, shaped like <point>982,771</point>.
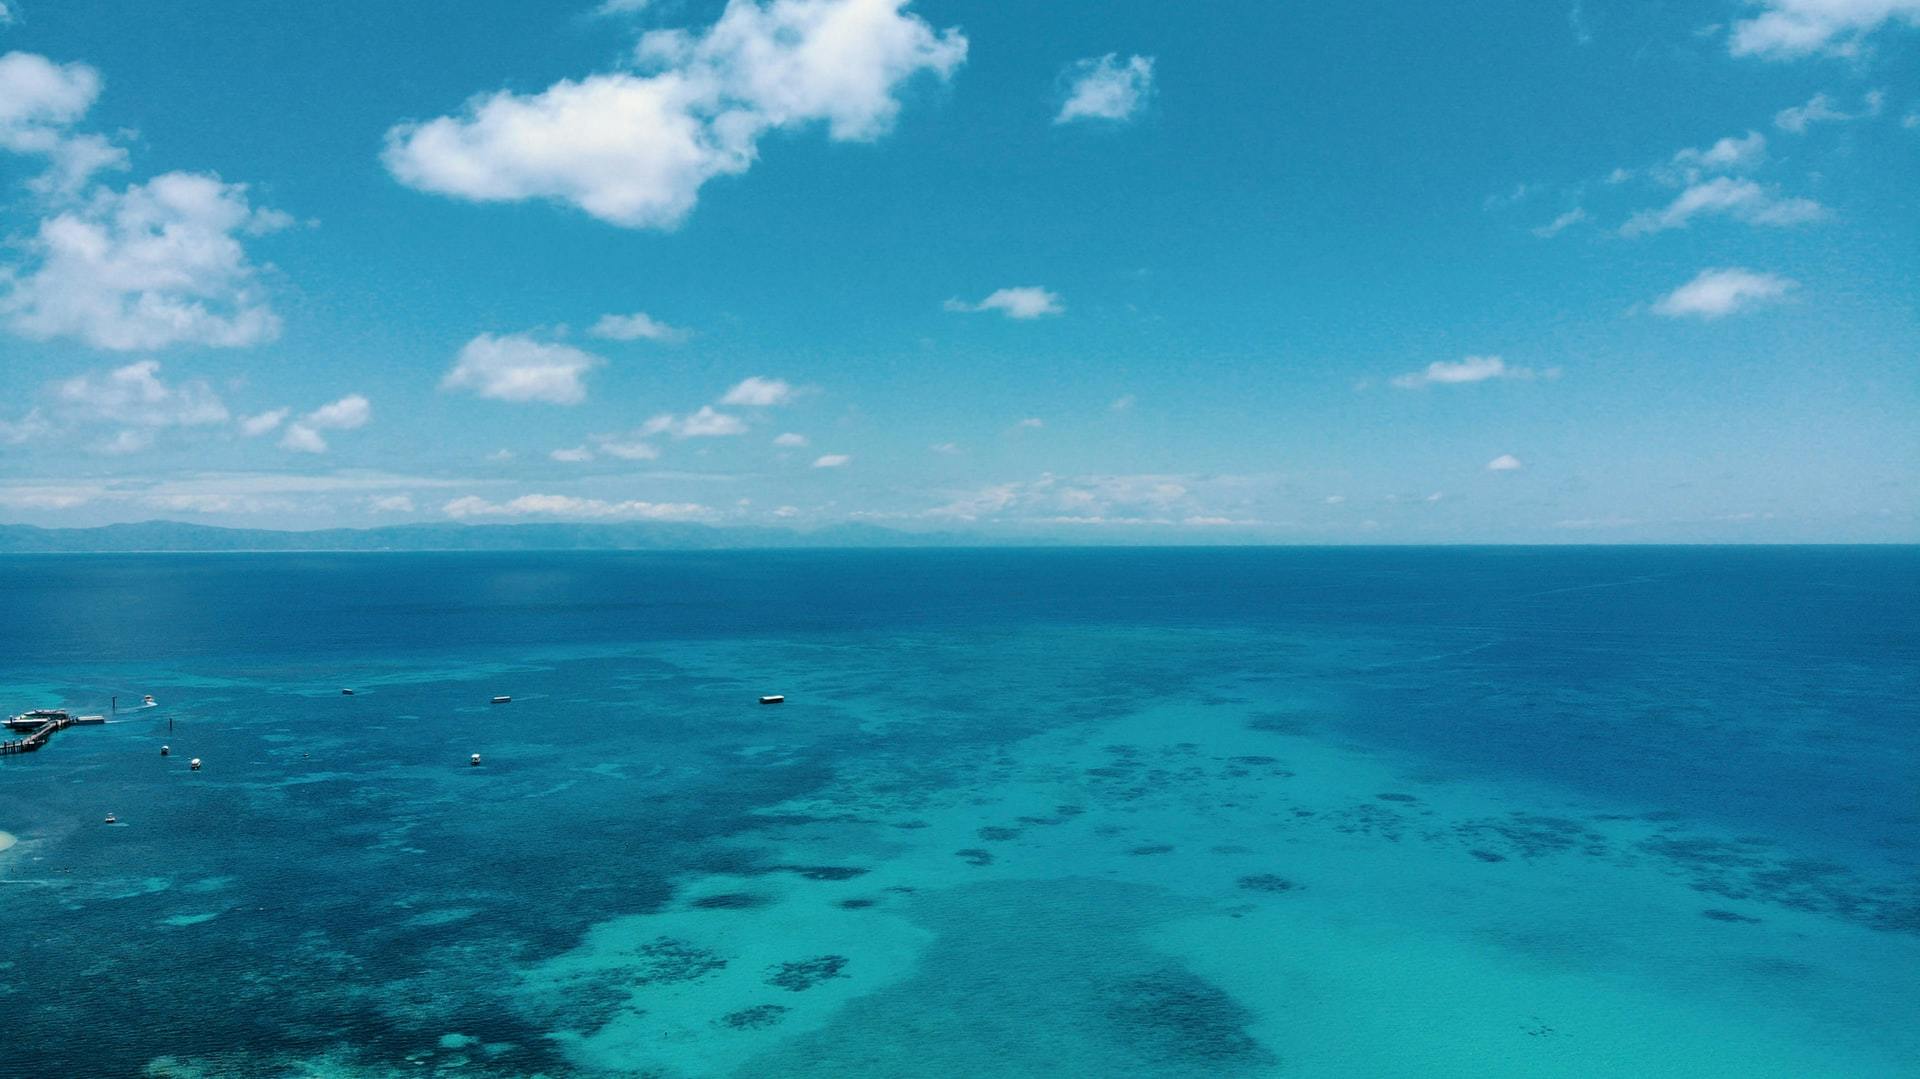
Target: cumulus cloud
<point>569,507</point>
<point>1725,196</point>
<point>517,367</point>
<point>1716,293</point>
<point>1788,29</point>
<point>634,147</point>
<point>264,422</point>
<point>1022,302</point>
<point>572,454</point>
<point>301,438</point>
<point>706,423</point>
<point>638,326</point>
<point>790,440</point>
<point>156,264</point>
<point>757,392</point>
<point>346,414</point>
<point>832,460</point>
<point>1469,369</point>
<point>1106,88</point>
<point>40,100</point>
<point>391,504</point>
<point>1506,462</point>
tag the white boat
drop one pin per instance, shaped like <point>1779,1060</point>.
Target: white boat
<point>774,698</point>
<point>111,819</point>
<point>503,700</point>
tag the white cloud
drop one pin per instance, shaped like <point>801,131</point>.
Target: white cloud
<point>621,7</point>
<point>567,506</point>
<point>1022,302</point>
<point>1122,403</point>
<point>791,439</point>
<point>574,454</point>
<point>636,327</point>
<point>832,460</point>
<point>27,428</point>
<point>1820,109</point>
<point>1469,369</point>
<point>1716,293</point>
<point>705,423</point>
<point>757,392</point>
<point>1106,88</point>
<point>1334,500</point>
<point>633,148</point>
<point>303,439</point>
<point>255,426</point>
<point>39,101</point>
<point>391,504</point>
<point>1743,200</point>
<point>346,414</point>
<point>137,396</point>
<point>1107,499</point>
<point>154,265</point>
<point>6,15</point>
<point>1031,423</point>
<point>343,415</point>
<point>1561,224</point>
<point>1729,154</point>
<point>516,367</point>
<point>501,455</point>
<point>1506,462</point>
<point>948,448</point>
<point>626,449</point>
<point>1795,28</point>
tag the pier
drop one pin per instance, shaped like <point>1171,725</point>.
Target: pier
<point>40,727</point>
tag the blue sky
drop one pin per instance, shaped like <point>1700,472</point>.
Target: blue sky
<point>1235,272</point>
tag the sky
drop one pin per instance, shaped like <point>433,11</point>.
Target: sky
<point>1102,271</point>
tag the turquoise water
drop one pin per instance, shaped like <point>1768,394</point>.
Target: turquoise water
<point>1547,812</point>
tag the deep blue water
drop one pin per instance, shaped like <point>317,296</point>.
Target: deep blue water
<point>1641,785</point>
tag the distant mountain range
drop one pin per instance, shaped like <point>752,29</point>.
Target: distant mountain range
<point>177,536</point>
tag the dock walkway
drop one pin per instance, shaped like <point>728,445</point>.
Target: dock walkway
<point>37,737</point>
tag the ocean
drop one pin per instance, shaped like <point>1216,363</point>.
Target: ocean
<point>1106,812</point>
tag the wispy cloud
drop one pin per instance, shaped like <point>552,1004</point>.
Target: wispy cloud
<point>1506,462</point>
<point>1716,293</point>
<point>1468,370</point>
<point>1021,302</point>
<point>1106,88</point>
<point>638,326</point>
<point>1724,196</point>
<point>705,423</point>
<point>832,460</point>
<point>573,508</point>
<point>1560,224</point>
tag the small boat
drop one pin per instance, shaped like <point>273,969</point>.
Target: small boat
<point>774,698</point>
<point>503,700</point>
<point>474,760</point>
<point>194,764</point>
<point>166,751</point>
<point>147,700</point>
<point>111,819</point>
<point>346,693</point>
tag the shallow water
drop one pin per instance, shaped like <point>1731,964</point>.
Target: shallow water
<point>1103,813</point>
